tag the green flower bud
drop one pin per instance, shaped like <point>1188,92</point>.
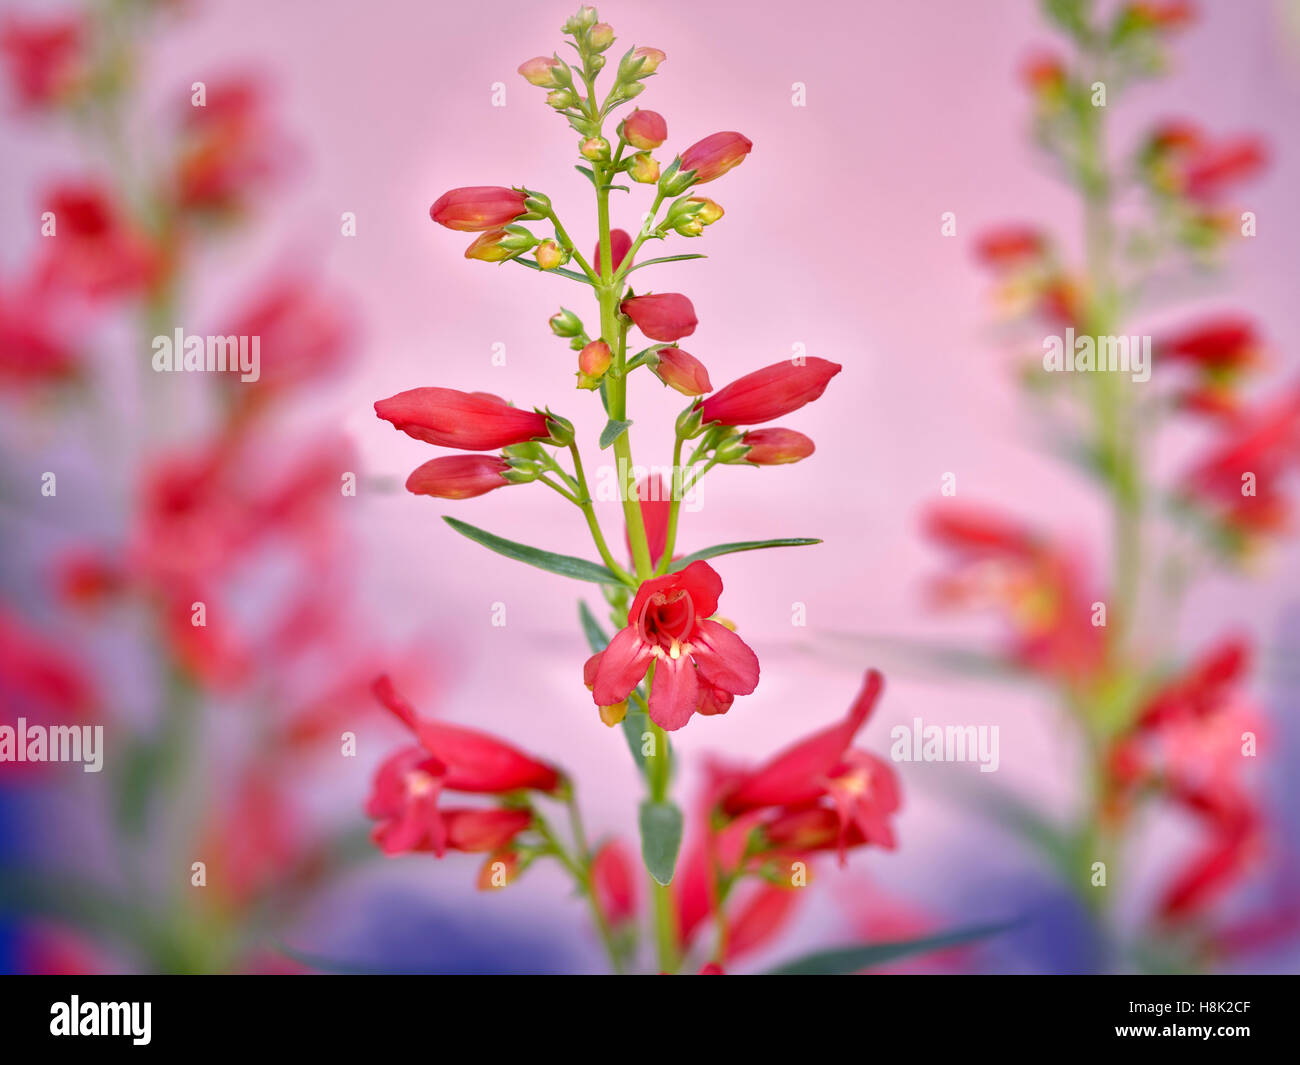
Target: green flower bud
<point>565,323</point>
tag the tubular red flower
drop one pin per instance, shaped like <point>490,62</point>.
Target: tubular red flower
<point>776,447</point>
<point>655,496</point>
<point>458,476</point>
<point>45,58</point>
<point>614,883</point>
<point>665,316</point>
<point>1227,342</point>
<point>471,421</point>
<point>769,393</point>
<point>620,243</point>
<point>478,208</point>
<point>472,761</point>
<point>1010,246</point>
<point>683,372</point>
<point>645,130</point>
<point>668,627</point>
<point>798,774</point>
<point>715,155</point>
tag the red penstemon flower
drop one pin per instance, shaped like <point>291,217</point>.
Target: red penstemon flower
<point>458,476</point>
<point>666,316</point>
<point>46,59</point>
<point>669,627</point>
<point>769,393</point>
<point>682,372</point>
<point>776,447</point>
<point>476,209</point>
<point>470,421</point>
<point>715,155</point>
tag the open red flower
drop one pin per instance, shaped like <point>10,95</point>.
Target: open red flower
<point>769,393</point>
<point>479,208</point>
<point>471,421</point>
<point>669,627</point>
<point>470,761</point>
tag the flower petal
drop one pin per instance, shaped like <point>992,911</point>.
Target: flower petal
<point>622,665</point>
<point>674,693</point>
<point>724,658</point>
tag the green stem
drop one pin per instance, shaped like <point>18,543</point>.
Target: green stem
<point>580,870</point>
<point>589,512</point>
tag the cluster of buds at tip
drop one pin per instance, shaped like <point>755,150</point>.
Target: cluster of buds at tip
<point>688,216</point>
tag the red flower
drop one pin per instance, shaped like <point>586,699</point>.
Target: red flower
<point>682,371</point>
<point>1010,246</point>
<point>96,250</point>
<point>1044,73</point>
<point>715,155</point>
<point>665,316</point>
<point>405,802</point>
<point>468,760</point>
<point>458,476</point>
<point>620,243</point>
<point>45,58</point>
<point>1212,169</point>
<point>645,130</point>
<point>229,146</point>
<point>655,496</point>
<point>769,393</point>
<point>668,627</point>
<point>1225,343</point>
<point>479,208</point>
<point>471,421</point>
<point>775,447</point>
<point>31,350</point>
<point>613,880</point>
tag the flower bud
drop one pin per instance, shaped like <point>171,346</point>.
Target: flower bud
<point>641,63</point>
<point>644,130</point>
<point>775,447</point>
<point>471,421</point>
<point>643,169</point>
<point>769,393</point>
<point>709,211</point>
<point>500,870</point>
<point>593,361</point>
<point>550,255</point>
<point>473,210</point>
<point>544,71</point>
<point>715,155</point>
<point>594,149</point>
<point>564,323</point>
<point>488,247</point>
<point>562,99</point>
<point>601,36</point>
<point>682,372</point>
<point>536,205</point>
<point>688,423</point>
<point>458,476</point>
<point>665,316</point>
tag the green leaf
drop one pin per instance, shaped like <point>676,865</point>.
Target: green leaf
<point>596,638</point>
<point>573,276</point>
<point>612,431</point>
<point>565,565</point>
<point>841,960</point>
<point>742,545</point>
<point>587,172</point>
<point>661,838</point>
<point>668,259</point>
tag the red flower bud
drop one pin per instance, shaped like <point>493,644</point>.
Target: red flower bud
<point>482,207</point>
<point>620,243</point>
<point>613,882</point>
<point>458,476</point>
<point>715,155</point>
<point>1010,246</point>
<point>471,421</point>
<point>651,58</point>
<point>645,129</point>
<point>666,316</point>
<point>769,393</point>
<point>775,447</point>
<point>683,372</point>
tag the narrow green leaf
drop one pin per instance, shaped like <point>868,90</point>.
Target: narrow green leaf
<point>661,838</point>
<point>570,274</point>
<point>612,431</point>
<point>565,565</point>
<point>841,960</point>
<point>587,172</point>
<point>742,545</point>
<point>668,259</point>
<point>596,638</point>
